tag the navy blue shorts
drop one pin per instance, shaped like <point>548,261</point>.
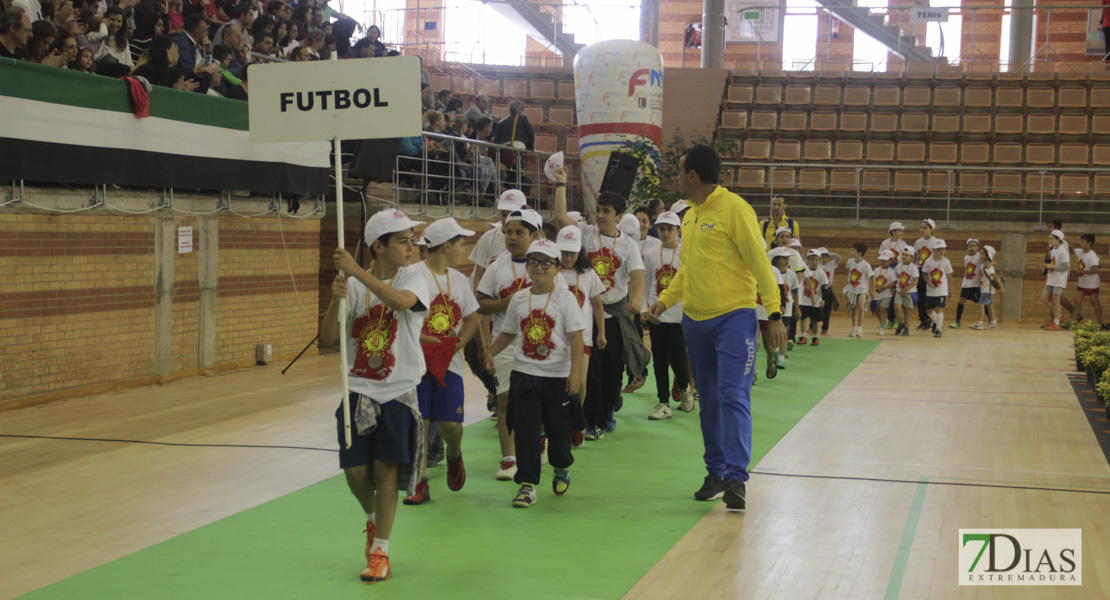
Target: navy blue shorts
<point>969,293</point>
<point>391,441</point>
<point>441,403</point>
<point>932,302</point>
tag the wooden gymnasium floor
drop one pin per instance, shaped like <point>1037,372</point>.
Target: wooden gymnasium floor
<point>862,499</point>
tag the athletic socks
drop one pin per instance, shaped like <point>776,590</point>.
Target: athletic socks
<point>380,543</point>
<point>508,459</point>
<point>938,321</point>
<point>959,312</point>
<point>370,518</point>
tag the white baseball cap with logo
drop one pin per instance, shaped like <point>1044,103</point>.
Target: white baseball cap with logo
<point>795,243</point>
<point>576,216</point>
<point>545,247</point>
<point>528,216</point>
<point>444,230</point>
<point>990,251</point>
<point>512,200</point>
<point>814,252</point>
<point>679,206</point>
<point>782,229</point>
<point>931,223</point>
<point>630,226</point>
<point>668,218</point>
<point>385,222</point>
<point>886,255</point>
<point>938,243</point>
<point>971,239</point>
<point>1058,234</point>
<point>569,239</point>
<point>895,226</point>
<point>780,251</point>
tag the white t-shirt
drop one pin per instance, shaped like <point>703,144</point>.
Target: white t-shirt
<point>660,266</point>
<point>906,273</point>
<point>452,301</point>
<point>542,344</point>
<point>859,273</point>
<point>985,286</point>
<point>501,280</point>
<point>383,348</point>
<point>830,268</point>
<point>488,247</point>
<point>972,276</point>
<point>613,259</point>
<point>648,244</point>
<point>811,284</point>
<point>936,271</point>
<point>924,252</point>
<point>1087,260</point>
<point>883,276</point>
<point>584,286</point>
<point>895,247</point>
<point>1058,256</point>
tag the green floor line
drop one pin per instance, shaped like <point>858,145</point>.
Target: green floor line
<point>630,501</point>
<point>898,571</point>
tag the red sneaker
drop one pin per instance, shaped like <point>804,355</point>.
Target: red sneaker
<point>456,474</point>
<point>421,495</point>
<point>815,342</point>
<point>676,394</point>
<point>370,532</point>
<point>377,567</point>
<point>802,341</point>
<point>1054,327</point>
<point>577,440</point>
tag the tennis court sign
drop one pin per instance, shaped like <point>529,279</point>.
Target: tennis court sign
<point>929,15</point>
<point>346,99</point>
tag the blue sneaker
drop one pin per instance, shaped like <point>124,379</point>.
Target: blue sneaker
<point>593,434</point>
<point>525,497</point>
<point>561,482</point>
<point>611,424</point>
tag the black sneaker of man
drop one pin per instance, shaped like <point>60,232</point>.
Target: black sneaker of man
<point>734,495</point>
<point>712,489</point>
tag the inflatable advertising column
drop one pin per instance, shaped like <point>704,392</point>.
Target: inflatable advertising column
<point>619,98</point>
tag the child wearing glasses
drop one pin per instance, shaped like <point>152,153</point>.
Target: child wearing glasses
<point>547,363</point>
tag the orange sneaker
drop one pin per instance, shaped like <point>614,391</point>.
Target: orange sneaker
<point>1053,327</point>
<point>456,474</point>
<point>420,495</point>
<point>370,532</point>
<point>377,567</point>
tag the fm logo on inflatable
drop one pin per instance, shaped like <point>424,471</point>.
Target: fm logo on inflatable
<point>641,78</point>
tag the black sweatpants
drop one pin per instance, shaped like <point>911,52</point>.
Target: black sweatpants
<point>826,310</point>
<point>536,401</point>
<point>603,378</point>
<point>668,350</point>
<point>922,315</point>
<point>631,375</point>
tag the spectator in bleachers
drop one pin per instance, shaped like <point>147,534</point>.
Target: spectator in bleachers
<point>455,107</point>
<point>343,30</point>
<point>61,15</point>
<point>299,54</point>
<point>233,39</point>
<point>361,49</point>
<point>262,24</point>
<point>263,44</point>
<point>159,65</point>
<point>66,46</point>
<point>243,16</point>
<point>281,37</point>
<point>483,129</point>
<point>84,61</point>
<point>514,130</point>
<point>175,20</point>
<point>314,43</point>
<point>88,32</point>
<point>479,109</point>
<point>378,48</point>
<point>114,56</point>
<point>210,11</point>
<point>329,47</point>
<point>277,9</point>
<point>426,102</point>
<point>146,27</point>
<point>15,29</point>
<point>42,37</point>
<point>778,219</point>
<point>191,43</point>
<point>300,19</point>
<point>442,98</point>
<point>240,91</point>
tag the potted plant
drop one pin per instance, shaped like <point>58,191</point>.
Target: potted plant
<point>1082,338</point>
<point>1096,360</point>
<point>1103,391</point>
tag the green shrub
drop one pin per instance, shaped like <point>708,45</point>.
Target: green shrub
<point>1086,341</point>
<point>1103,387</point>
<point>1096,357</point>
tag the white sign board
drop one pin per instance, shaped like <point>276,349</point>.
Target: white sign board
<point>185,240</point>
<point>364,98</point>
<point>924,15</point>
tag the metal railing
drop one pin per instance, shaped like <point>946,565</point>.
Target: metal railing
<point>954,198</point>
<point>460,183</point>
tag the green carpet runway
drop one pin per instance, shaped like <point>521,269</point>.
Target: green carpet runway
<point>629,502</point>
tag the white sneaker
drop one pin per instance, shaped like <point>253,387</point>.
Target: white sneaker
<point>687,404</point>
<point>977,325</point>
<point>993,325</point>
<point>507,470</point>
<point>662,411</point>
<point>882,330</point>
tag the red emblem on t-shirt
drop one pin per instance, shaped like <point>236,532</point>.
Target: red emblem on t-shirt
<point>442,316</point>
<point>904,279</point>
<point>855,276</point>
<point>374,334</point>
<point>880,281</point>
<point>578,294</point>
<point>606,264</point>
<point>810,287</point>
<point>663,278</point>
<point>535,329</point>
<point>520,283</point>
<point>923,255</point>
<point>969,271</point>
<point>936,275</point>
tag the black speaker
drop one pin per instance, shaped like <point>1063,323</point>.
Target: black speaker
<point>621,173</point>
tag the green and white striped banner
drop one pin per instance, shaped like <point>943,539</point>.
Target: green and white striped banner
<point>68,127</point>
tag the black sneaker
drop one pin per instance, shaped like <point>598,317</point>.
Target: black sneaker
<point>734,495</point>
<point>924,326</point>
<point>712,489</point>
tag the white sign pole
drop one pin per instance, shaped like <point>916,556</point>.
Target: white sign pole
<point>342,301</point>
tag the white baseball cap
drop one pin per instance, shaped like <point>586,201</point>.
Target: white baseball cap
<point>630,226</point>
<point>895,225</point>
<point>384,222</point>
<point>1059,234</point>
<point>444,230</point>
<point>795,243</point>
<point>814,252</point>
<point>668,218</point>
<point>780,251</point>
<point>823,250</point>
<point>512,200</point>
<point>908,249</point>
<point>932,224</point>
<point>782,229</point>
<point>971,239</point>
<point>576,216</point>
<point>569,239</point>
<point>545,247</point>
<point>990,251</point>
<point>526,215</point>
<point>886,255</point>
<point>679,206</point>
<point>938,243</point>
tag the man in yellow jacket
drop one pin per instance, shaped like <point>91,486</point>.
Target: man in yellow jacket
<point>724,265</point>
